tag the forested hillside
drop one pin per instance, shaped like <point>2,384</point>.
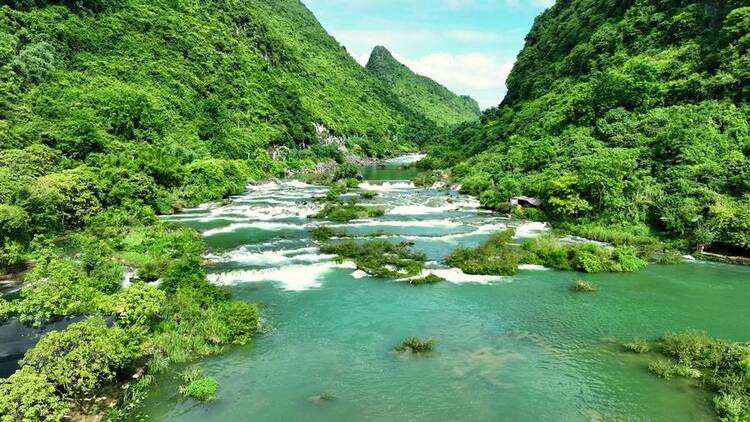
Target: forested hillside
<point>421,93</point>
<point>623,116</point>
<point>113,111</point>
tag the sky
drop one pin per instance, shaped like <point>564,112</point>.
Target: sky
<point>467,45</point>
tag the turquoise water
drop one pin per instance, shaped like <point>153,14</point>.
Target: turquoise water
<point>522,348</point>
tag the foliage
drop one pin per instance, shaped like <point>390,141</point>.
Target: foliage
<point>494,257</point>
<point>722,368</point>
<point>55,289</point>
<point>622,113</point>
<point>420,93</point>
<point>638,346</point>
<point>416,345</point>
<point>80,359</point>
<point>242,321</point>
<point>203,389</point>
<point>585,257</point>
<point>583,287</point>
<point>379,258</point>
<point>428,279</point>
<point>27,396</point>
<point>368,194</point>
<point>139,305</point>
<point>342,212</point>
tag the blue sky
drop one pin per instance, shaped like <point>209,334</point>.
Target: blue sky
<point>467,45</point>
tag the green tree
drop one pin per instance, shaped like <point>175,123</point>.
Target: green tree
<point>79,360</point>
<point>27,396</point>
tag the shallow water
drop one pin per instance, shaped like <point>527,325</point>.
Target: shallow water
<point>509,348</point>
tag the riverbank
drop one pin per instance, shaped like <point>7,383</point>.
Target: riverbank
<point>520,346</point>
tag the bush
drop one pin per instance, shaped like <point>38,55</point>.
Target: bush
<point>139,305</point>
<point>81,359</point>
<point>368,194</point>
<point>242,321</point>
<point>346,171</point>
<point>583,287</point>
<point>322,233</point>
<point>638,346</point>
<point>416,345</point>
<point>730,407</point>
<point>203,389</point>
<point>348,212</point>
<point>14,223</point>
<point>585,257</point>
<point>56,288</point>
<point>662,368</point>
<point>27,396</point>
<point>722,367</point>
<point>690,347</point>
<point>379,258</point>
<point>429,279</point>
<point>495,257</point>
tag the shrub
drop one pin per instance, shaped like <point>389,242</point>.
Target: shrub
<point>80,359</point>
<point>56,288</point>
<point>494,257</point>
<point>690,347</point>
<point>416,345</point>
<point>14,223</point>
<point>27,396</point>
<point>662,368</point>
<point>730,407</point>
<point>203,389</point>
<point>379,258</point>
<point>348,212</point>
<point>191,373</point>
<point>585,257</point>
<point>638,346</point>
<point>346,171</point>
<point>138,305</point>
<point>426,179</point>
<point>368,194</point>
<point>322,233</point>
<point>583,287</point>
<point>242,321</point>
<point>429,279</point>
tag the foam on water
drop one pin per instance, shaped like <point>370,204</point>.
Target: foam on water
<point>426,209</point>
<point>256,225</point>
<point>272,257</point>
<point>400,223</point>
<point>532,267</point>
<point>387,186</point>
<point>292,278</point>
<point>455,275</point>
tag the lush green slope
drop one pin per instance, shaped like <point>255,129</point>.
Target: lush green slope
<point>630,113</point>
<point>112,111</point>
<point>421,93</point>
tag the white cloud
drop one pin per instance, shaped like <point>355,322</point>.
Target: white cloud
<point>473,73</point>
<point>464,35</point>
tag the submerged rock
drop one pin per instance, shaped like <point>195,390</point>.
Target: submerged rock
<point>321,398</point>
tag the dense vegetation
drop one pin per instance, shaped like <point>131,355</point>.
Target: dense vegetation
<point>496,256</point>
<point>379,258</point>
<point>421,93</point>
<point>112,112</point>
<point>499,256</point>
<point>416,345</point>
<point>719,366</point>
<point>623,114</point>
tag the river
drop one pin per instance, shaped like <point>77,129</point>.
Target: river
<point>521,348</point>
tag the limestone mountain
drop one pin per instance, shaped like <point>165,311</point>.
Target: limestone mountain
<point>421,93</point>
<point>216,77</point>
<point>630,112</point>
